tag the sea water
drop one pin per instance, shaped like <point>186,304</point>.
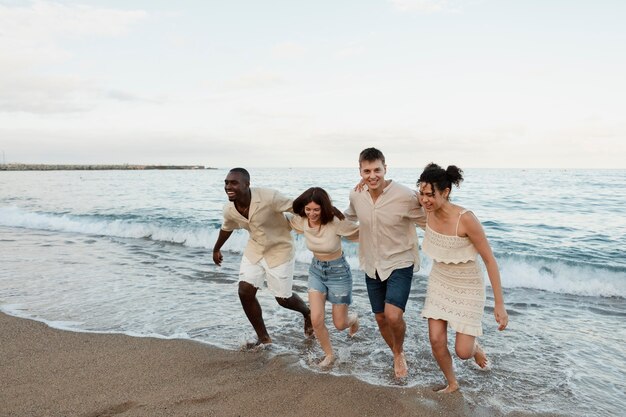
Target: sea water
<point>130,252</point>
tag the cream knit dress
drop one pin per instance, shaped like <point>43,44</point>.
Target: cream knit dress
<point>456,291</point>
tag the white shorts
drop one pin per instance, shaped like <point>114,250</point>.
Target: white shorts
<point>279,279</point>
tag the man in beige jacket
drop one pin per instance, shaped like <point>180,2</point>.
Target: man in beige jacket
<point>269,254</point>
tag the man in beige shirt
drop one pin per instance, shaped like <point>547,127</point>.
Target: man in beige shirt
<point>388,247</point>
<point>269,254</point>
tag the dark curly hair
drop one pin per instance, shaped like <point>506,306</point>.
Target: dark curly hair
<point>440,178</point>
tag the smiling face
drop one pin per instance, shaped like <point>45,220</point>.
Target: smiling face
<point>236,186</point>
<point>431,198</point>
<point>313,212</point>
<point>373,174</point>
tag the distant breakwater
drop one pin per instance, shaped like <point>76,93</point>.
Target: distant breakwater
<point>99,167</point>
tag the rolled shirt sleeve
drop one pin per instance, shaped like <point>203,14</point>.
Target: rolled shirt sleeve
<point>270,232</point>
<point>229,224</point>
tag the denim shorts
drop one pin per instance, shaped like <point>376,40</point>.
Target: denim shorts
<point>332,278</point>
<point>394,290</point>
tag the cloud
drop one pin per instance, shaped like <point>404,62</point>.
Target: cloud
<point>32,40</point>
<point>425,6</point>
<point>254,80</point>
<point>44,94</point>
<point>125,96</point>
<point>287,50</point>
<point>42,21</point>
<point>58,94</point>
<point>350,51</point>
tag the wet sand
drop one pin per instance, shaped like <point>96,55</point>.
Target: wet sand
<point>50,372</point>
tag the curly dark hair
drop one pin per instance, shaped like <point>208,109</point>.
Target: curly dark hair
<point>440,178</point>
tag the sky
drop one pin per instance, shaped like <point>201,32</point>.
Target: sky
<point>476,83</point>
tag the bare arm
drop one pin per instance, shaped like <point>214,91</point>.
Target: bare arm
<point>476,234</point>
<point>221,239</point>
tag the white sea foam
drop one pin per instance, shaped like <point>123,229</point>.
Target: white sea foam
<point>559,277</point>
<point>517,272</point>
<point>204,237</point>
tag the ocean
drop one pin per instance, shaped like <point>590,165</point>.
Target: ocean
<point>130,252</point>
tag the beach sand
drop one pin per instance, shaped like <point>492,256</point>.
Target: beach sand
<point>49,372</point>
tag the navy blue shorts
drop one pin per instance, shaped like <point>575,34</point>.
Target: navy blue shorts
<point>394,290</point>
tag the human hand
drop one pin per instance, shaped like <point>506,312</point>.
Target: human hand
<point>360,186</point>
<point>217,257</point>
<point>501,316</point>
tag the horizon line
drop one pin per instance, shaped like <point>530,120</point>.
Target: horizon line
<point>210,167</point>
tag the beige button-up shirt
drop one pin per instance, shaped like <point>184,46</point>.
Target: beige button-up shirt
<point>270,233</point>
<point>387,236</point>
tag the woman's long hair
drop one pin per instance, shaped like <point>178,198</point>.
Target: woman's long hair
<point>318,196</point>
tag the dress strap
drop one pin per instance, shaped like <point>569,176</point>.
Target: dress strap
<point>456,231</point>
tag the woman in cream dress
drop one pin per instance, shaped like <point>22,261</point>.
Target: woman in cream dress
<point>456,292</point>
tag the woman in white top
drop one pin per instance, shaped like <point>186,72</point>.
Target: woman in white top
<point>330,278</point>
<point>456,292</point>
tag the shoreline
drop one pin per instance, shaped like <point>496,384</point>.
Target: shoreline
<point>51,372</point>
<point>94,167</point>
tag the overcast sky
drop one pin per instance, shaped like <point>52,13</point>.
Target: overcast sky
<point>477,83</point>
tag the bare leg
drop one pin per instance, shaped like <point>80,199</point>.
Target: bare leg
<point>394,340</point>
<point>252,308</point>
<point>480,357</point>
<point>295,303</point>
<point>340,316</point>
<point>317,301</point>
<point>354,324</point>
<point>343,320</point>
<point>438,334</point>
<point>395,319</point>
<point>467,347</point>
<point>385,331</point>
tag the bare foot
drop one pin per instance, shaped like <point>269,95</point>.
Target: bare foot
<point>354,327</point>
<point>327,361</point>
<point>450,388</point>
<point>308,326</point>
<point>256,345</point>
<point>480,357</point>
<point>399,366</point>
